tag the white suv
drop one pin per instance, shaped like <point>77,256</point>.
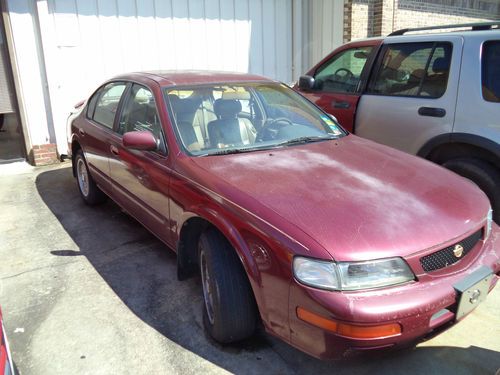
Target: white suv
<point>436,95</point>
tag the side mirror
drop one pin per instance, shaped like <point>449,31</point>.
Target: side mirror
<point>140,140</point>
<point>361,55</point>
<point>333,118</point>
<point>306,82</point>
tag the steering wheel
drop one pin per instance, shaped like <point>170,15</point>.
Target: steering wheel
<point>343,77</point>
<point>270,129</point>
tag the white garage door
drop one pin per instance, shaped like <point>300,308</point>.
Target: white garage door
<point>6,101</point>
<point>86,42</point>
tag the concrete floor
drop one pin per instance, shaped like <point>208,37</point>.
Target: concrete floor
<point>88,290</point>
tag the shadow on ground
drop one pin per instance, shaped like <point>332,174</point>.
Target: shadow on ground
<point>142,273</point>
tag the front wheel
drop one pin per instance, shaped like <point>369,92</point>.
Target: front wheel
<point>483,175</point>
<point>229,312</point>
<point>89,191</point>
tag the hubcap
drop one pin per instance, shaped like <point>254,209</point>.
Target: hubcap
<point>207,290</point>
<point>83,177</point>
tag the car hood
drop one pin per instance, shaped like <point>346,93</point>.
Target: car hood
<point>357,199</point>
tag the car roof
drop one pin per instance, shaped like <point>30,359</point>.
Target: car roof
<point>193,77</point>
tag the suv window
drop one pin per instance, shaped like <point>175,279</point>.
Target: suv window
<point>139,113</point>
<point>413,69</point>
<point>491,71</point>
<point>343,72</point>
<point>107,103</point>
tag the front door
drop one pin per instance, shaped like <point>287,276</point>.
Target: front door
<point>338,83</point>
<point>141,178</point>
<point>411,95</point>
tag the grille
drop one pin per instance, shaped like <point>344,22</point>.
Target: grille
<point>445,257</point>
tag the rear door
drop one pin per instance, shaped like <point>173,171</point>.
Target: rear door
<point>412,92</point>
<point>141,178</point>
<point>95,129</point>
<point>339,80</point>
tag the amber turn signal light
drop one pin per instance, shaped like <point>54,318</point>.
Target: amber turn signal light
<point>349,330</point>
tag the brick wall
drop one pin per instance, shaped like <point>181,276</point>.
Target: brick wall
<point>43,154</point>
<point>365,18</point>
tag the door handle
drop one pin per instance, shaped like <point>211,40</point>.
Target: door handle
<point>114,150</point>
<point>432,112</point>
<point>81,132</point>
<point>341,105</point>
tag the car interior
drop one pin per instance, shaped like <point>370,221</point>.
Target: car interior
<point>413,71</point>
<point>206,122</point>
<point>238,117</point>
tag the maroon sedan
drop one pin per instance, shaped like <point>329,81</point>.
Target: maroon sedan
<point>6,366</point>
<point>333,242</point>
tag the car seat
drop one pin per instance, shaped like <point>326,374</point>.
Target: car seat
<point>228,129</point>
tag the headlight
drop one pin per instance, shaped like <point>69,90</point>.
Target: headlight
<point>489,223</point>
<point>317,273</point>
<point>351,275</point>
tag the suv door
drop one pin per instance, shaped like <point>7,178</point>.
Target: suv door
<point>412,92</point>
<point>141,178</point>
<point>339,80</point>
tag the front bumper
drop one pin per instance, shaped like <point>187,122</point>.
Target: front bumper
<point>421,308</point>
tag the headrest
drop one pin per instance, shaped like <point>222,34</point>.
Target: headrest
<point>440,65</point>
<point>174,99</point>
<point>187,105</point>
<point>227,107</point>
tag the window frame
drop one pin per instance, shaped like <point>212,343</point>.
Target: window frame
<point>365,72</point>
<point>98,94</point>
<point>126,96</point>
<point>380,59</point>
<point>483,55</point>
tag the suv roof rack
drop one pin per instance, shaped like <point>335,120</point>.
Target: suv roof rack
<point>473,26</point>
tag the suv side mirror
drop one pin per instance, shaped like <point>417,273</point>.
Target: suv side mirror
<point>306,82</point>
<point>140,140</point>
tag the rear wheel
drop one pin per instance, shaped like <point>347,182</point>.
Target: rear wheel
<point>484,175</point>
<point>229,312</point>
<point>87,187</point>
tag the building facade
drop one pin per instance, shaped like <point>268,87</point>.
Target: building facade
<point>53,53</point>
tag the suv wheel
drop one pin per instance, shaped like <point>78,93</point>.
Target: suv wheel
<point>484,175</point>
<point>87,187</point>
<point>229,312</point>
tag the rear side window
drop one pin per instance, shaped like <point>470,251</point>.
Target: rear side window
<point>491,71</point>
<point>107,103</point>
<point>413,69</point>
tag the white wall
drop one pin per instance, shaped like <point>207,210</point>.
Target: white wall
<point>84,42</point>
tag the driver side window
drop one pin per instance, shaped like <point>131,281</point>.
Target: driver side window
<point>343,73</point>
<point>140,114</point>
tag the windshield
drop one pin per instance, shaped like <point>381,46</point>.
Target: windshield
<point>230,118</point>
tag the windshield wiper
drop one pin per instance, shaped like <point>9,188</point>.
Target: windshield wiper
<point>301,140</point>
<point>235,151</point>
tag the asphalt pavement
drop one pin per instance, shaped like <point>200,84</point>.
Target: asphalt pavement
<point>88,290</point>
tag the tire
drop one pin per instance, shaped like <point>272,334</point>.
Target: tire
<point>229,311</point>
<point>89,191</point>
<point>484,175</point>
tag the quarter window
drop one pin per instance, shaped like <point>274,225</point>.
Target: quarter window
<point>140,114</point>
<point>413,69</point>
<point>491,71</point>
<point>343,73</point>
<point>107,104</point>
